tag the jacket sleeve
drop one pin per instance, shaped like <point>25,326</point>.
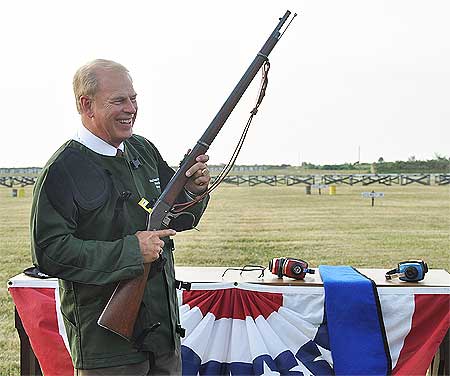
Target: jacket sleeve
<point>58,252</point>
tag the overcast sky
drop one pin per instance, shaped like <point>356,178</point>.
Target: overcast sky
<point>350,79</point>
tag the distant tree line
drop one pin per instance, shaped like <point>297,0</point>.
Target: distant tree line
<point>438,164</point>
<point>364,167</point>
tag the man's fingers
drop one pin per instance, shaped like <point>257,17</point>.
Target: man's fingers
<point>202,158</point>
<point>202,180</point>
<point>200,165</point>
<point>164,233</point>
<point>196,169</point>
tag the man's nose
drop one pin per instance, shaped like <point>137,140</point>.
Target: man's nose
<point>130,106</point>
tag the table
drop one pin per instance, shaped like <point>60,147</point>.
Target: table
<point>209,280</point>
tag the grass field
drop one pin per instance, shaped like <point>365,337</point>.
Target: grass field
<point>252,225</point>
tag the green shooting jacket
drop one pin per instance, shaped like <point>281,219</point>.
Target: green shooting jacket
<point>84,216</point>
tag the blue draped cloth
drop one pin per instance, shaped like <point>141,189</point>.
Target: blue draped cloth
<point>355,325</point>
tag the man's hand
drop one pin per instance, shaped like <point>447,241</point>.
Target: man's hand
<point>198,176</point>
<point>151,244</point>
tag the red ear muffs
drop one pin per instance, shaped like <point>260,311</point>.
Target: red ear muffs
<point>289,267</point>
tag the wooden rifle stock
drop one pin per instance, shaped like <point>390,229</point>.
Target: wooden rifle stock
<point>123,304</point>
<point>120,313</point>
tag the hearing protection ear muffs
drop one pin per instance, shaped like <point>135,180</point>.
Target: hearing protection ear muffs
<point>289,267</point>
<point>409,271</point>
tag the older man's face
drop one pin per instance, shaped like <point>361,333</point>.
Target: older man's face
<point>114,107</point>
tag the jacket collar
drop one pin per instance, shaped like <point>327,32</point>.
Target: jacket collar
<point>91,141</point>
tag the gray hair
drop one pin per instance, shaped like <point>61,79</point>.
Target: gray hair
<point>85,80</point>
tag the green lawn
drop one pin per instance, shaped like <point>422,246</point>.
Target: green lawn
<point>254,224</point>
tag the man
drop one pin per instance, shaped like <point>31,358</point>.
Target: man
<point>88,230</point>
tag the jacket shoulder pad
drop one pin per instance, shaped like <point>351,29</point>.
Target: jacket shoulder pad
<point>75,178</point>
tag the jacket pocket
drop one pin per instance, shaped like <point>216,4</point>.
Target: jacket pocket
<point>143,327</point>
<point>74,339</point>
<point>97,342</point>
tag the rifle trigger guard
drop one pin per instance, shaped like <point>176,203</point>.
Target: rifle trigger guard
<point>180,221</point>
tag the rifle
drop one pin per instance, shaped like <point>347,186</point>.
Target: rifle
<point>120,313</point>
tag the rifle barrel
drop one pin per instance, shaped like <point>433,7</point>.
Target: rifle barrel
<point>205,141</point>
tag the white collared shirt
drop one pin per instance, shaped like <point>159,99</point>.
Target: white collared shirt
<point>87,138</point>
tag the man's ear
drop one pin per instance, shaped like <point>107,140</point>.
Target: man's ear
<point>86,104</point>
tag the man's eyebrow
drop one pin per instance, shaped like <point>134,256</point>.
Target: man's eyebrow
<point>122,97</point>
